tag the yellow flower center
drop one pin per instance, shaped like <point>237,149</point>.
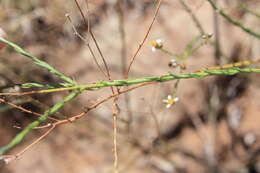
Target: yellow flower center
<point>170,101</point>
<point>156,44</point>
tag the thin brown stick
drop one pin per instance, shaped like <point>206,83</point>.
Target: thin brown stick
<point>95,41</point>
<point>145,38</point>
<point>78,116</point>
<point>19,93</point>
<point>127,98</point>
<point>87,43</point>
<point>121,29</point>
<point>217,46</point>
<point>109,78</point>
<point>24,110</point>
<point>34,142</point>
<point>96,44</point>
<point>115,143</point>
<point>87,16</point>
<point>16,156</point>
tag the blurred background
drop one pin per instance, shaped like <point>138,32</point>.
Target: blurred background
<point>215,126</point>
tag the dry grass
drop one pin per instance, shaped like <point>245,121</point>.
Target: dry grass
<point>41,28</point>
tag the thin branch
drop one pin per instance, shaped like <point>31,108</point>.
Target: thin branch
<point>115,143</point>
<point>22,135</point>
<point>18,139</point>
<point>16,156</point>
<point>127,98</point>
<point>95,41</point>
<point>37,61</point>
<point>35,142</point>
<point>145,37</point>
<point>232,21</point>
<point>24,110</point>
<point>95,105</point>
<point>163,78</point>
<point>87,43</point>
<point>217,38</point>
<point>194,18</point>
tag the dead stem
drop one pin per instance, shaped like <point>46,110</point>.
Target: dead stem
<point>145,37</point>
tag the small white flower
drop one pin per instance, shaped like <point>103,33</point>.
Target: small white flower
<point>249,139</point>
<point>170,101</point>
<point>207,36</point>
<point>173,63</point>
<point>156,44</point>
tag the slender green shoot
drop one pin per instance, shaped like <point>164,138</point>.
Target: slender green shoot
<point>20,136</point>
<point>232,21</point>
<point>37,61</point>
<point>162,78</point>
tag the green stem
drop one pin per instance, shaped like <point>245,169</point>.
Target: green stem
<point>19,137</point>
<point>37,61</point>
<point>37,85</point>
<point>162,78</point>
<point>80,88</point>
<point>232,21</point>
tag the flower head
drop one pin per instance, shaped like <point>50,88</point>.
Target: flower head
<point>156,44</point>
<point>170,101</point>
<point>173,63</point>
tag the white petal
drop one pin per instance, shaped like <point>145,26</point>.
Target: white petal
<point>165,101</point>
<point>173,61</point>
<point>159,41</point>
<point>176,99</point>
<point>153,49</point>
<point>168,106</point>
<point>169,97</point>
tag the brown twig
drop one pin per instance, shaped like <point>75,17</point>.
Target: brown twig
<point>145,38</point>
<point>87,43</point>
<point>25,110</point>
<point>34,142</point>
<point>95,41</point>
<point>78,116</point>
<point>127,98</point>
